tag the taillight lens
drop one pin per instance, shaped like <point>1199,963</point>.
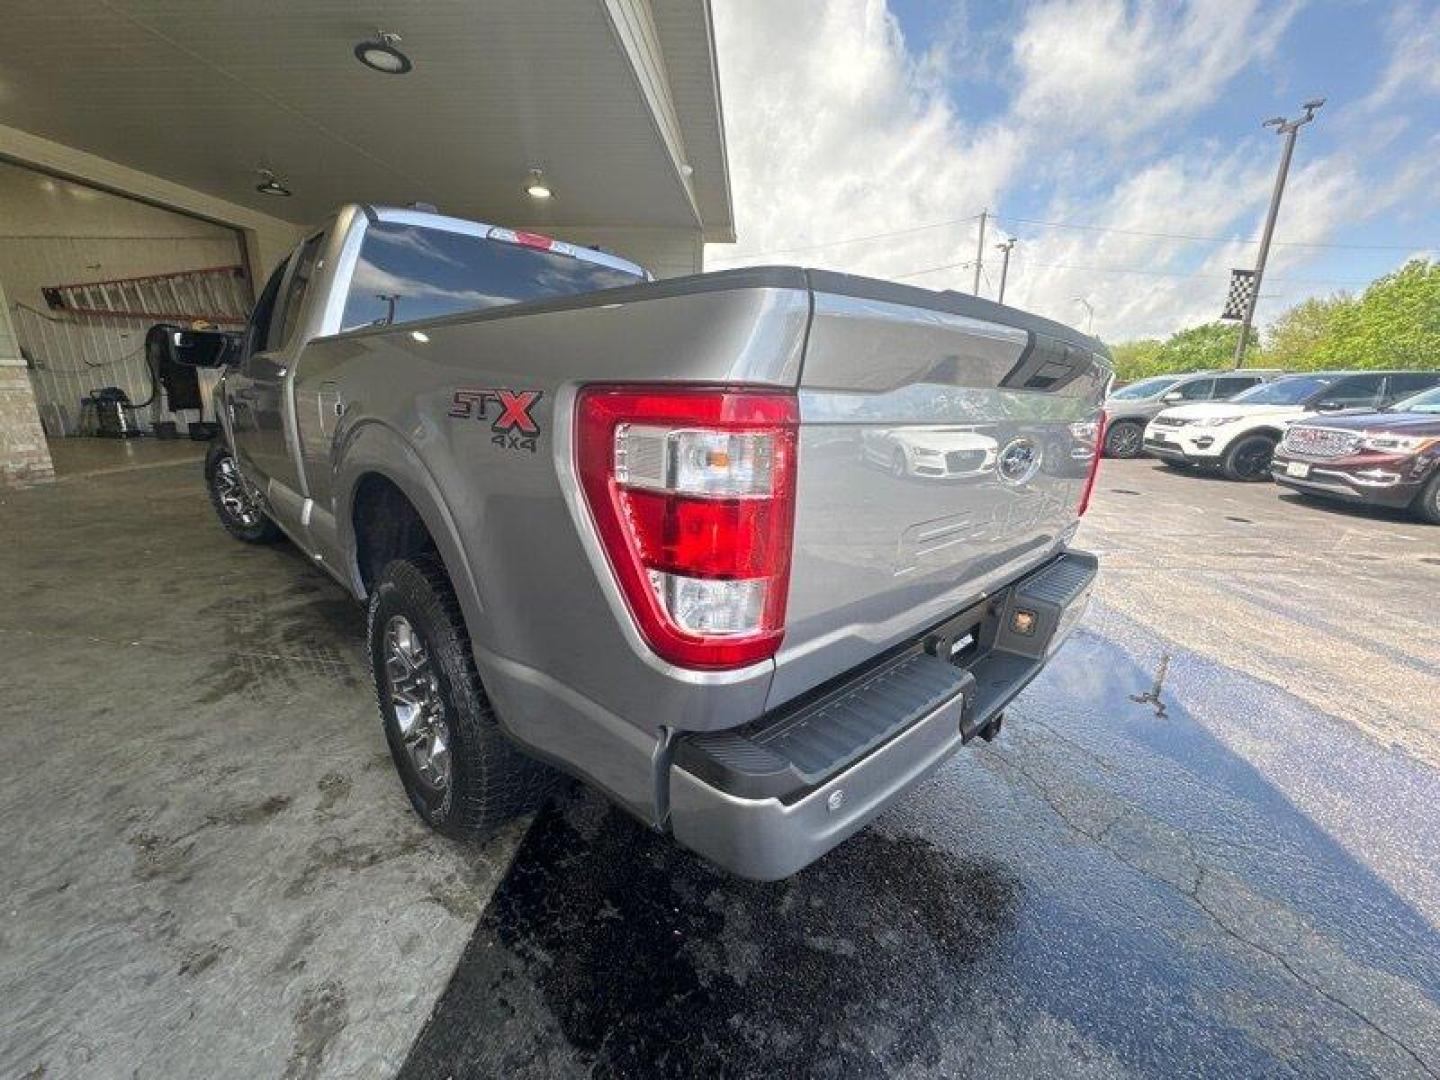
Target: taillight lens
<point>1095,454</point>
<point>693,495</point>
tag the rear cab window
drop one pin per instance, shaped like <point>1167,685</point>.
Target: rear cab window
<point>407,272</point>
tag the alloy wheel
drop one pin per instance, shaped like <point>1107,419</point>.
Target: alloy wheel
<point>415,698</point>
<point>235,495</point>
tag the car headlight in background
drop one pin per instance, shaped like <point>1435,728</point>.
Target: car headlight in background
<point>1214,421</point>
<point>1398,444</point>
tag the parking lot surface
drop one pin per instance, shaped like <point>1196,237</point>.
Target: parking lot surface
<point>1206,843</point>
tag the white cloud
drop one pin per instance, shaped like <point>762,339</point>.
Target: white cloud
<point>839,128</point>
<point>835,131</point>
<point>1414,65</point>
<point>1118,69</point>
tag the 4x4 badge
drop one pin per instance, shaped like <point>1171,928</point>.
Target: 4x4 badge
<point>508,411</point>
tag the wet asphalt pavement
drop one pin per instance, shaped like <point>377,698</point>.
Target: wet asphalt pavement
<point>1114,887</point>
<point>1235,874</point>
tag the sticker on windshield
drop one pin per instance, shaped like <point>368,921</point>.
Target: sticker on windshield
<point>512,423</point>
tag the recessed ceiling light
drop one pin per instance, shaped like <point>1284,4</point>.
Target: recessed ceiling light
<point>271,185</point>
<point>536,187</point>
<point>382,55</point>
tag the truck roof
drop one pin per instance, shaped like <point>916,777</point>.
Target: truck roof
<point>433,219</point>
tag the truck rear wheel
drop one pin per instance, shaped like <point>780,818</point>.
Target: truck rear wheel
<point>235,502</point>
<point>462,775</point>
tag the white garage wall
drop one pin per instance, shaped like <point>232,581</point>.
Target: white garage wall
<point>54,232</point>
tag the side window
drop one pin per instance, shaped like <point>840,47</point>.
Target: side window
<point>1356,391</point>
<point>258,326</point>
<point>1199,390</point>
<point>287,313</point>
<point>1229,385</point>
<point>1402,386</point>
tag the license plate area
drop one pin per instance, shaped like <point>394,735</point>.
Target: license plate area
<point>1297,469</point>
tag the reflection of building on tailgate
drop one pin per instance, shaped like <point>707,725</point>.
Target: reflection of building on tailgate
<point>937,453</point>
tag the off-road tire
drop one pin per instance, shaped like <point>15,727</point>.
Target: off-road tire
<point>1122,432</point>
<point>490,780</point>
<point>1240,459</point>
<point>1427,504</point>
<point>260,531</point>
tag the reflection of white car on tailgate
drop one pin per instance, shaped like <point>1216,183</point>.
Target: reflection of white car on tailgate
<point>937,453</point>
<point>1239,436</point>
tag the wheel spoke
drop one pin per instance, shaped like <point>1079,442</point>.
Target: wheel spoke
<point>416,702</point>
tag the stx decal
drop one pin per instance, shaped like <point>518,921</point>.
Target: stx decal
<point>508,412</point>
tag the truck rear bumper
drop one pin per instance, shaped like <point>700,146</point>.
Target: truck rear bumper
<point>766,800</point>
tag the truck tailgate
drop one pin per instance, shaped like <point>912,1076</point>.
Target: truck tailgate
<point>944,445</point>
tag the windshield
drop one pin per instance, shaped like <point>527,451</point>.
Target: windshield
<point>1145,387</point>
<point>1284,391</point>
<point>1427,401</point>
<point>408,272</point>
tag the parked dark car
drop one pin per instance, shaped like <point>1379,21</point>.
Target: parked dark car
<point>1386,458</point>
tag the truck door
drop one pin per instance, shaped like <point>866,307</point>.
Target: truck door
<point>261,396</point>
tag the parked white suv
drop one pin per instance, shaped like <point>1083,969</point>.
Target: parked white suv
<point>1239,436</point>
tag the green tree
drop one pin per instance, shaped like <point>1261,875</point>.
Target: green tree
<point>1394,323</point>
<point>1297,339</point>
<point>1210,345</point>
<point>1136,359</point>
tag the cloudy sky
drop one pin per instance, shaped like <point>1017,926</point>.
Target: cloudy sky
<point>852,118</point>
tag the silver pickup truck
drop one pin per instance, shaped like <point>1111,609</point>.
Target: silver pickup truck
<point>751,552</point>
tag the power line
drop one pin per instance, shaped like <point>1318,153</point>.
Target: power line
<point>1043,224</point>
<point>850,240</point>
<point>1209,239</point>
<point>1133,270</point>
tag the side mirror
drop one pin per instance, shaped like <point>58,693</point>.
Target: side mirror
<point>194,348</point>
<point>1172,396</point>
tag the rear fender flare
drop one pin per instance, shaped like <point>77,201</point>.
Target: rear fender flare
<point>375,447</point>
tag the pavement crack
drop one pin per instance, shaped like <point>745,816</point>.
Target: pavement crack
<point>1193,893</point>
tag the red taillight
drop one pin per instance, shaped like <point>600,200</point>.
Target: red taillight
<point>1094,466</point>
<point>693,494</point>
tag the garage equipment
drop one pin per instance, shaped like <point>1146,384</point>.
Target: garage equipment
<point>107,412</point>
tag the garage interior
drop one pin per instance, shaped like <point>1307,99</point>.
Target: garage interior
<point>217,872</point>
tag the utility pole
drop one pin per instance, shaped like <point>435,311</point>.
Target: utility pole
<point>1288,128</point>
<point>1089,313</point>
<point>980,252</point>
<point>1005,266</point>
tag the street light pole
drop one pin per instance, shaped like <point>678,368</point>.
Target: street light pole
<point>1005,266</point>
<point>1288,128</point>
<point>1090,314</point>
<point>980,252</point>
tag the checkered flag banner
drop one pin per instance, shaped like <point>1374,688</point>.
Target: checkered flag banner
<point>1242,287</point>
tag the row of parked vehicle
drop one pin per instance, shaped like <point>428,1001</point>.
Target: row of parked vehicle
<point>1358,436</point>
